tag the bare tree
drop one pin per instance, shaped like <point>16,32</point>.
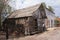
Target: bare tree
<point>5,10</point>
<point>1,8</point>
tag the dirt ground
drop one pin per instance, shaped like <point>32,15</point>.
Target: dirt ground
<point>51,34</point>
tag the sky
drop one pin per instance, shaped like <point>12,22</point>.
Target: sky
<point>19,4</point>
<point>55,4</point>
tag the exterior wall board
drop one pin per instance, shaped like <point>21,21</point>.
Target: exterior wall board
<point>50,17</point>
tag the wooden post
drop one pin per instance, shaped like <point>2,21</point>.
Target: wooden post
<point>7,36</point>
<point>25,27</point>
<point>28,27</point>
<point>50,23</point>
<point>27,30</point>
<point>53,24</point>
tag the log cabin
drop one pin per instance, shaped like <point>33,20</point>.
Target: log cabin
<point>27,20</point>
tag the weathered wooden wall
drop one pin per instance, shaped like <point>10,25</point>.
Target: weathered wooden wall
<point>26,25</point>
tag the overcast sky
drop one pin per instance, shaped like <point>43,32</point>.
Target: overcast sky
<point>25,3</point>
<point>55,4</point>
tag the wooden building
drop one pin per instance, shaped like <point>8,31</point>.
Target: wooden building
<point>50,21</point>
<point>26,21</point>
